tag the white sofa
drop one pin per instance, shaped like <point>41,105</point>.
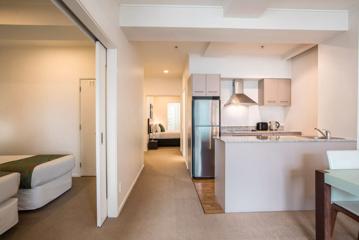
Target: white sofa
<point>9,185</point>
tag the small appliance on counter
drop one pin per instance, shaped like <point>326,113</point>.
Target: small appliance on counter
<point>274,125</point>
<point>262,126</point>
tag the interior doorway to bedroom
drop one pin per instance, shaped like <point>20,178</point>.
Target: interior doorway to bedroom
<point>163,115</point>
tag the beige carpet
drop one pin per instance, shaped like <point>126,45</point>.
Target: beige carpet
<point>163,205</point>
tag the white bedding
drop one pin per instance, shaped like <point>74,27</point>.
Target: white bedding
<point>34,198</point>
<point>8,214</point>
<point>165,135</point>
<point>9,184</point>
<point>45,172</point>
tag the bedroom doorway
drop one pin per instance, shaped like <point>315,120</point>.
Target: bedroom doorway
<point>88,127</point>
<point>163,116</point>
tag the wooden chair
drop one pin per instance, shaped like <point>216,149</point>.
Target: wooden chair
<point>343,202</point>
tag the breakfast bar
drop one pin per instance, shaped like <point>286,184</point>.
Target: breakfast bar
<point>275,173</point>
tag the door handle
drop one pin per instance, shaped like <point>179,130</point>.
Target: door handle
<point>101,138</point>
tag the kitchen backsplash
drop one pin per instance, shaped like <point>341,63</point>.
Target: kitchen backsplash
<point>244,115</point>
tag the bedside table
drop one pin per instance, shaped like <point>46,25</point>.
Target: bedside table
<point>152,144</point>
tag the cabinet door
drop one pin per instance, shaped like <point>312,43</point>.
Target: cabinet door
<point>199,85</point>
<point>270,91</point>
<point>213,85</point>
<point>284,92</point>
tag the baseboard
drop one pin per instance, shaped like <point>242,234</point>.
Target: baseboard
<point>130,190</point>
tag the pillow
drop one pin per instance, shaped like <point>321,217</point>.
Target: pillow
<point>162,127</point>
<point>153,128</point>
<point>158,129</point>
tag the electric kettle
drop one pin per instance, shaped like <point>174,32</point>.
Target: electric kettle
<point>274,125</point>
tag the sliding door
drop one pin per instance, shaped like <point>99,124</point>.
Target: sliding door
<point>101,158</point>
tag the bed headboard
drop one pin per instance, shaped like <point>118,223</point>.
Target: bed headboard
<point>148,125</point>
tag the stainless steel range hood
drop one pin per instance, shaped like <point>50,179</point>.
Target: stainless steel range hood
<point>238,97</point>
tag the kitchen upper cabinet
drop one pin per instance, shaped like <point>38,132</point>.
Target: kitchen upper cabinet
<point>199,85</point>
<point>213,85</point>
<point>274,92</point>
<point>206,85</point>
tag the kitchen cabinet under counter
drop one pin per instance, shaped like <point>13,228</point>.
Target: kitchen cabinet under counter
<point>274,173</point>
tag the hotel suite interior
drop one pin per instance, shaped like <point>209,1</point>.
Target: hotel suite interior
<point>179,119</point>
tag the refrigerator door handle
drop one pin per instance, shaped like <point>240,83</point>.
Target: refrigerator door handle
<point>210,140</point>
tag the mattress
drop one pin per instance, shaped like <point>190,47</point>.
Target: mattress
<point>30,199</point>
<point>45,172</point>
<point>165,135</point>
<point>8,214</point>
<point>9,184</point>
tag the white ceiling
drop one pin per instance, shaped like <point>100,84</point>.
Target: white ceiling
<point>220,49</point>
<point>291,4</point>
<point>159,56</point>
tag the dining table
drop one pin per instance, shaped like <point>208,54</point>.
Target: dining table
<point>346,180</point>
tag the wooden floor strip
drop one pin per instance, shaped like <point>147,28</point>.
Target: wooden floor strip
<point>205,191</point>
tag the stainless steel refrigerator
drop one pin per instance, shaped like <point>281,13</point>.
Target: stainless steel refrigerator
<point>205,127</point>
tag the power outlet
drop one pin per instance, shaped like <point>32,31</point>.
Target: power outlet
<point>120,187</point>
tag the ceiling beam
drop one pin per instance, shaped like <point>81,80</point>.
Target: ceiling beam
<point>297,51</point>
<point>245,8</point>
<point>211,17</point>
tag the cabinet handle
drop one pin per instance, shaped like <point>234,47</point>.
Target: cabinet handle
<point>284,101</point>
<point>271,101</point>
<point>198,91</point>
<point>213,91</point>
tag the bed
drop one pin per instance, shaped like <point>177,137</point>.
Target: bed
<point>47,181</point>
<point>166,139</point>
<point>9,185</point>
<point>163,138</point>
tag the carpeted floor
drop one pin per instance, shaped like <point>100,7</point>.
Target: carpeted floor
<point>163,205</point>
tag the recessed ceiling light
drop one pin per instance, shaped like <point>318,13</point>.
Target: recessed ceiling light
<point>165,71</point>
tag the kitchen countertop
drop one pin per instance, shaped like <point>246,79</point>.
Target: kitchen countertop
<point>279,139</point>
<point>262,133</point>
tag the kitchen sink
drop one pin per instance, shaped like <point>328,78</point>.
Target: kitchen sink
<point>316,137</point>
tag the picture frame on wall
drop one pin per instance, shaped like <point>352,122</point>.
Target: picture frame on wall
<point>151,111</point>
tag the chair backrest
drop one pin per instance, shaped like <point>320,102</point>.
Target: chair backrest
<point>343,159</point>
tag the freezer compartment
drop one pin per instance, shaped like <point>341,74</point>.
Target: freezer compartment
<point>206,112</point>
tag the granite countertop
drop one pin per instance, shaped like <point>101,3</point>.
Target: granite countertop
<point>279,139</point>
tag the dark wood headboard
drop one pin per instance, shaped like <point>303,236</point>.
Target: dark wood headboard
<point>148,125</point>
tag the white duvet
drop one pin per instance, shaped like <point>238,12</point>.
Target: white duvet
<point>9,184</point>
<point>45,172</point>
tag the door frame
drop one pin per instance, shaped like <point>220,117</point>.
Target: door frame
<point>82,18</point>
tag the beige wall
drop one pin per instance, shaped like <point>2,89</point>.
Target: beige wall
<point>160,108</point>
<point>338,81</point>
<point>302,115</point>
<point>162,86</point>
<point>39,98</point>
<point>130,116</point>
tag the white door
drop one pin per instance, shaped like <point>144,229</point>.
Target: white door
<point>88,127</point>
<point>101,162</point>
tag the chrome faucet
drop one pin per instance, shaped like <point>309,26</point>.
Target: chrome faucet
<point>326,134</point>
